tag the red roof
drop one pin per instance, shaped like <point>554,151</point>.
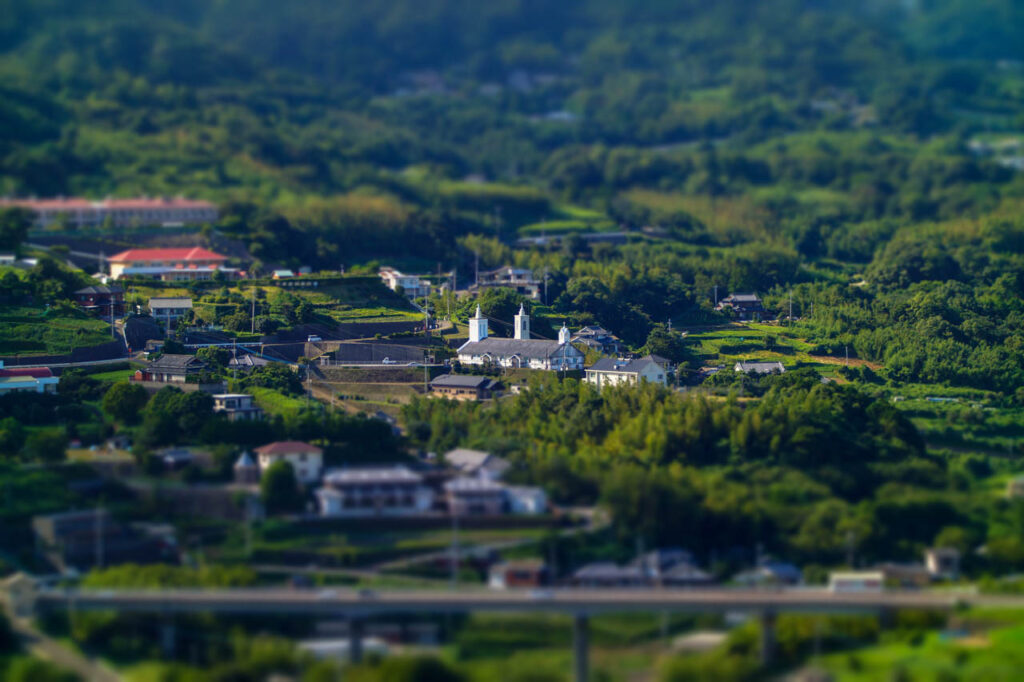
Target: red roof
<point>35,372</point>
<point>184,254</point>
<point>288,447</point>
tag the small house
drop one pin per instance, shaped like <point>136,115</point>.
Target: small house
<point>760,367</point>
<point>526,573</point>
<point>476,463</point>
<point>612,372</point>
<point>745,306</point>
<point>169,310</point>
<point>306,459</point>
<point>236,406</point>
<point>374,491</point>
<point>464,387</point>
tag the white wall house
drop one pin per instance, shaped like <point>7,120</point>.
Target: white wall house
<point>307,460</point>
<point>520,351</point>
<point>612,372</point>
<point>374,491</point>
<point>169,310</point>
<point>412,285</point>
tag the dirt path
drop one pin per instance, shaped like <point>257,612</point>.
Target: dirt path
<point>46,648</point>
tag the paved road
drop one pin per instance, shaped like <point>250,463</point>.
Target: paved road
<point>335,601</point>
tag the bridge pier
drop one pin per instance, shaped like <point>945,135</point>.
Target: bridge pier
<point>767,638</point>
<point>581,647</point>
<point>168,637</point>
<point>355,640</point>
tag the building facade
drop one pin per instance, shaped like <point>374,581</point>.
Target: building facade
<point>519,280</point>
<point>521,351</point>
<point>77,213</point>
<point>171,369</point>
<point>170,265</point>
<point>746,306</point>
<point>307,460</point>
<point>464,387</point>
<point>100,300</point>
<point>611,372</point>
<point>374,491</point>
<point>236,406</point>
<point>759,367</point>
<point>169,310</point>
<point>412,286</point>
<point>27,379</point>
<point>599,339</point>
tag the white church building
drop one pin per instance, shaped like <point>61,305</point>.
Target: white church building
<point>521,351</point>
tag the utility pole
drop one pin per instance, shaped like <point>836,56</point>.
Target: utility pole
<point>847,349</point>
<point>716,295</point>
<point>99,535</point>
<point>545,285</point>
<point>252,318</point>
<point>455,545</point>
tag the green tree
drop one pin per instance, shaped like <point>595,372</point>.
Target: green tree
<point>14,226</point>
<point>12,436</point>
<point>417,669</point>
<point>280,489</point>
<point>667,344</point>
<point>305,312</point>
<point>215,358</point>
<point>47,445</point>
<point>124,401</point>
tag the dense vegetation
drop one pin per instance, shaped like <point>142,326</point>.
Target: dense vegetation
<point>815,471</point>
<point>857,164</point>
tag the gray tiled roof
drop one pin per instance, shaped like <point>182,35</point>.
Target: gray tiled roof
<point>183,302</point>
<point>170,362</point>
<point>760,367</point>
<point>460,381</point>
<point>627,366</point>
<point>532,348</point>
<point>100,289</point>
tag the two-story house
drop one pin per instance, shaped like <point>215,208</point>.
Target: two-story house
<point>169,310</point>
<point>236,406</point>
<point>307,460</point>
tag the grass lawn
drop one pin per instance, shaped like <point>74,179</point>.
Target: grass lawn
<point>729,344</point>
<point>28,331</point>
<point>275,403</point>
<point>114,376</point>
<point>986,649</point>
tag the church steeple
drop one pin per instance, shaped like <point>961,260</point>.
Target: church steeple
<point>564,335</point>
<point>477,326</point>
<point>522,324</point>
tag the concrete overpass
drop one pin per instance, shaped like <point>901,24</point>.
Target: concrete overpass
<point>358,605</point>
